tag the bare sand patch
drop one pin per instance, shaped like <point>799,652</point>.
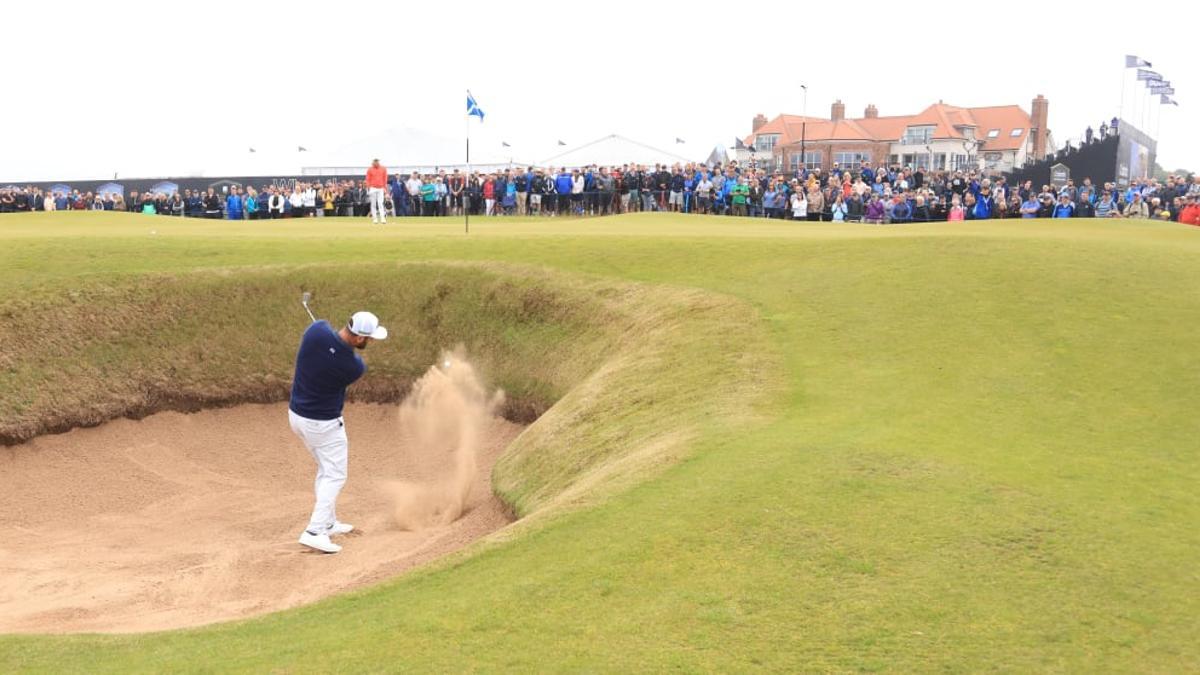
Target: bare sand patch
<point>186,519</point>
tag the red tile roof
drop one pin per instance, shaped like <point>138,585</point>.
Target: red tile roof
<point>946,120</point>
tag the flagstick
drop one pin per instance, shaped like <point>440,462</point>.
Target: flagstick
<point>466,199</point>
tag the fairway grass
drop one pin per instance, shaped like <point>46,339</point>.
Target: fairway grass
<point>945,447</point>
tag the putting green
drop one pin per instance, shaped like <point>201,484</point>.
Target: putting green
<point>948,446</point>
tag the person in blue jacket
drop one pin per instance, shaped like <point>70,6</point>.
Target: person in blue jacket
<point>233,205</point>
<point>562,185</point>
<point>902,211</point>
<point>250,203</point>
<point>985,206</point>
<point>193,205</point>
<point>399,197</point>
<point>868,174</point>
<point>1064,208</point>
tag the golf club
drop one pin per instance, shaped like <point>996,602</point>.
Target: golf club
<point>304,298</point>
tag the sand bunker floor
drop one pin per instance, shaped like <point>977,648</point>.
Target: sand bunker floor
<point>184,519</point>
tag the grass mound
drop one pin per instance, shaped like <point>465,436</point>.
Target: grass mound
<point>219,338</point>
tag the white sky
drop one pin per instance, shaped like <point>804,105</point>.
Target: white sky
<point>175,89</point>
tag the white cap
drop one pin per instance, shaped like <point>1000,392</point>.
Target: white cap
<point>366,324</point>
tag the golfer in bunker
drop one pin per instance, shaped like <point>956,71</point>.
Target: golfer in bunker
<point>325,365</point>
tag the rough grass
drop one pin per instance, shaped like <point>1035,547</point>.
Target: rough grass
<point>984,456</point>
<point>185,341</point>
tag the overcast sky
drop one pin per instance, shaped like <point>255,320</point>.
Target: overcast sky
<point>176,89</point>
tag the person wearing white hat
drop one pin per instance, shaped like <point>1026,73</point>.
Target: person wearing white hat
<point>326,364</point>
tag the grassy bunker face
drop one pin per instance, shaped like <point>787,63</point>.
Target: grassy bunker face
<point>613,379</point>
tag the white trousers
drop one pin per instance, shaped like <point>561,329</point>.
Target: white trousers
<point>378,212</point>
<point>326,442</point>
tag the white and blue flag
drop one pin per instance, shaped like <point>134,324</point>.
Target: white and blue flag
<point>473,107</point>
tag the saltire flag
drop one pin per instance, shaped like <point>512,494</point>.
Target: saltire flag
<point>1167,100</point>
<point>1148,75</point>
<point>1136,62</point>
<point>473,107</point>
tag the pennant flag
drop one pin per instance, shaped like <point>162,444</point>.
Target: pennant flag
<point>1148,75</point>
<point>505,144</point>
<point>561,143</point>
<point>1166,100</point>
<point>1135,62</point>
<point>301,149</point>
<point>679,140</point>
<point>473,107</point>
<point>253,150</point>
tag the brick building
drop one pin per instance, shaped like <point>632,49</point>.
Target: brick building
<point>995,139</point>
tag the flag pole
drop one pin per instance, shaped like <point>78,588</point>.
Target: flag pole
<point>466,198</point>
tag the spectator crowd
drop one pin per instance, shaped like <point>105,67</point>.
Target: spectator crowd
<point>870,194</point>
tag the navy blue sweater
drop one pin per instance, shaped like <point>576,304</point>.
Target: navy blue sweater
<point>325,366</point>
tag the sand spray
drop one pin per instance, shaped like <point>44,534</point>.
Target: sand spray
<point>443,415</point>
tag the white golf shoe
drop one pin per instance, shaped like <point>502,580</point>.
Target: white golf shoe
<point>319,542</point>
<point>341,528</point>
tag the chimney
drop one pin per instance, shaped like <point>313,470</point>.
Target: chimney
<point>837,111</point>
<point>759,122</point>
<point>871,112</point>
<point>1039,131</point>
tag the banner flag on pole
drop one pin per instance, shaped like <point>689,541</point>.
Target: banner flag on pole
<point>1167,100</point>
<point>1135,62</point>
<point>473,107</point>
<point>1162,90</point>
<point>1147,75</point>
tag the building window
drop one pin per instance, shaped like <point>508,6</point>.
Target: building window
<point>812,160</point>
<point>1016,132</point>
<point>993,133</point>
<point>917,135</point>
<point>962,162</point>
<point>851,160</point>
<point>939,161</point>
<point>920,160</point>
<point>765,142</point>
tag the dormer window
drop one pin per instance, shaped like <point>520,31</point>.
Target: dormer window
<point>765,142</point>
<point>918,135</point>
